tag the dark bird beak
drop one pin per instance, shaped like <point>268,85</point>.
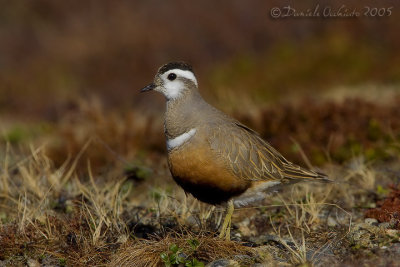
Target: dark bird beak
<point>148,88</point>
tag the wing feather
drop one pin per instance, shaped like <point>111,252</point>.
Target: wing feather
<point>252,158</point>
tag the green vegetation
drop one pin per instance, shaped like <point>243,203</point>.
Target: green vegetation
<point>176,256</point>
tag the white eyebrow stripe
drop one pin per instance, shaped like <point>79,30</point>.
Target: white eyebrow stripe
<point>184,73</point>
<point>179,140</point>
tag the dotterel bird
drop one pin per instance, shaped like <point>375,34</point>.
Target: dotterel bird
<point>213,156</point>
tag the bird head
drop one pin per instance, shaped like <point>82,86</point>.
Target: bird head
<point>173,80</point>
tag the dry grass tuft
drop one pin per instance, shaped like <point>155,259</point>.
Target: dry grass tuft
<point>48,212</point>
<point>147,253</point>
<point>307,211</point>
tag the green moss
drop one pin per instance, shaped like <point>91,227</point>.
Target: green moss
<point>16,135</point>
<point>126,187</point>
<point>137,173</point>
<point>62,262</point>
<point>381,191</point>
<point>19,133</point>
<point>374,131</point>
<point>3,217</point>
<point>156,195</point>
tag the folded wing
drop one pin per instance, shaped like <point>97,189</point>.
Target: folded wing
<point>251,158</point>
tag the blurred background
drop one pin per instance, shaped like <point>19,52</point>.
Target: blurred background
<point>72,70</point>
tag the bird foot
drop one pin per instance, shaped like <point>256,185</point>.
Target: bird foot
<point>225,232</point>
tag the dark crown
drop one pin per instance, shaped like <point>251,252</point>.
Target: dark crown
<point>175,65</point>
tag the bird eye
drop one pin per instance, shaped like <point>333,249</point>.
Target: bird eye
<point>172,76</point>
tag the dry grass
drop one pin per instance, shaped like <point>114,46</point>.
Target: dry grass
<point>147,253</point>
<point>67,201</point>
<point>49,208</point>
<point>99,209</point>
<point>305,216</point>
<point>53,214</point>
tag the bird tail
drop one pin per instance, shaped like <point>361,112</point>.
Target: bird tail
<point>322,177</point>
<point>294,172</point>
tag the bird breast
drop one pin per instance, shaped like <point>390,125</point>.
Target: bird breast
<point>199,171</point>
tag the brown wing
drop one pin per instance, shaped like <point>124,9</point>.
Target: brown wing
<point>252,158</point>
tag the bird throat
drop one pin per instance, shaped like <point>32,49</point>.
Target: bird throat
<point>181,115</point>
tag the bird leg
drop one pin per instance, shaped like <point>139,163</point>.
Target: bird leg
<point>225,231</point>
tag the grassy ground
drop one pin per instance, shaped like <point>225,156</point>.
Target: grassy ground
<point>93,189</point>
